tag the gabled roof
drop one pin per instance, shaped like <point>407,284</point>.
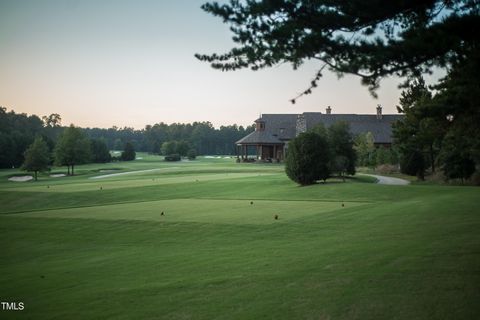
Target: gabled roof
<point>281,125</point>
<point>259,137</point>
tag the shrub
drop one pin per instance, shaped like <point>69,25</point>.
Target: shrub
<point>308,158</point>
<point>476,178</point>
<point>169,148</point>
<point>386,169</point>
<point>458,166</point>
<point>173,157</point>
<point>100,152</point>
<point>128,153</point>
<point>413,164</point>
<point>192,154</point>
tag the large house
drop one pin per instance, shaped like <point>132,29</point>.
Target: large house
<point>273,131</point>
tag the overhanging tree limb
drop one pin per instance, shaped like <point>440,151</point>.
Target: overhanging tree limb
<point>370,39</point>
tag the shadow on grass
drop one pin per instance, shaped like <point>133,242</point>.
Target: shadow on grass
<point>334,180</point>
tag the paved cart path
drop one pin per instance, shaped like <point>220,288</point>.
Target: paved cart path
<point>389,180</point>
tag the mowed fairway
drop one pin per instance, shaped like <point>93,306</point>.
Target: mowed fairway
<point>99,248</point>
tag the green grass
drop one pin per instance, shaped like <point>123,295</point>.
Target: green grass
<point>73,251</point>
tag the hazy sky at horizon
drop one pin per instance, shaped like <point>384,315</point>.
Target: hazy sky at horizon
<point>131,63</point>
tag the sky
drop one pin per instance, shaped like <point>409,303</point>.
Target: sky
<point>131,63</point>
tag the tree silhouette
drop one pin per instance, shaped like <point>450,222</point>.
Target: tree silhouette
<point>72,148</point>
<point>370,39</point>
<point>37,157</point>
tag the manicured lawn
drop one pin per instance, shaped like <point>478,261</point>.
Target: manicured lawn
<point>73,251</point>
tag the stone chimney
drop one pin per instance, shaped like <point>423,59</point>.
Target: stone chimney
<point>379,112</point>
<point>329,110</point>
<point>301,125</point>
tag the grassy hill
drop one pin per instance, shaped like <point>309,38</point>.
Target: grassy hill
<point>90,247</point>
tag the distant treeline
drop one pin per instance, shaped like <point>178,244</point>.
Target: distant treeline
<point>18,131</point>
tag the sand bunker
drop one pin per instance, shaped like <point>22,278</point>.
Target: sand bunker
<point>20,178</point>
<point>57,175</point>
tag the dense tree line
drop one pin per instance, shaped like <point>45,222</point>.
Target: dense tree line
<point>18,131</point>
<point>201,136</point>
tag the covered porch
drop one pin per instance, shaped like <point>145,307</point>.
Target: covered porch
<point>273,152</point>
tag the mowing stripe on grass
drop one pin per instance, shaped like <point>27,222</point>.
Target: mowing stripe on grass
<point>200,210</point>
<point>151,181</point>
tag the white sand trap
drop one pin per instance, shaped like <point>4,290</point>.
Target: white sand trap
<point>21,178</point>
<point>138,158</point>
<point>59,175</point>
<point>129,172</point>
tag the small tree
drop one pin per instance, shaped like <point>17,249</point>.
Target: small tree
<point>458,166</point>
<point>100,152</point>
<point>308,158</point>
<point>365,149</point>
<point>128,153</point>
<point>457,160</point>
<point>72,148</point>
<point>37,157</point>
<point>341,145</point>
<point>118,145</point>
<point>192,154</point>
<point>381,156</point>
<point>340,165</point>
<point>169,147</point>
<point>182,148</point>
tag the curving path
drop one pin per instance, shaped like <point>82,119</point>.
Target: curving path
<point>129,172</point>
<point>389,180</point>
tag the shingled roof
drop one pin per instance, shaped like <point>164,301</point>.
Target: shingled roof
<point>260,137</point>
<point>280,128</point>
<point>359,123</point>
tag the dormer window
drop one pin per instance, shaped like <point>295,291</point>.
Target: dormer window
<point>260,125</point>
